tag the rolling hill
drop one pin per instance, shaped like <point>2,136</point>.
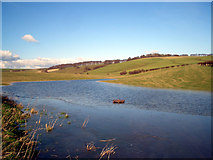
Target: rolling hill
<point>147,63</point>
<point>180,76</point>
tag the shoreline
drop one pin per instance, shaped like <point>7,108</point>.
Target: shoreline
<point>175,89</point>
<point>14,134</point>
<point>108,81</point>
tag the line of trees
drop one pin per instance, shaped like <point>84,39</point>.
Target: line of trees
<point>147,70</point>
<point>106,62</point>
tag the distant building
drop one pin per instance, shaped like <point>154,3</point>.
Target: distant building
<point>200,54</point>
<point>193,54</point>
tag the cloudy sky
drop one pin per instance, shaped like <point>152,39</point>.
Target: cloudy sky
<point>38,35</point>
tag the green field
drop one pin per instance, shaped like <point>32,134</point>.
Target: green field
<point>35,75</point>
<point>192,77</point>
<point>147,63</point>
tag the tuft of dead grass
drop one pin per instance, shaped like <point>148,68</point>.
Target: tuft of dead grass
<point>25,116</point>
<point>49,127</point>
<point>108,150</point>
<point>33,111</point>
<point>20,106</point>
<point>91,147</point>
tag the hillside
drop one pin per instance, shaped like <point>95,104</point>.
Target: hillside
<point>80,69</point>
<point>147,63</point>
<point>192,77</point>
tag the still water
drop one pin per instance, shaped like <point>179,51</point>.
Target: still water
<point>153,123</point>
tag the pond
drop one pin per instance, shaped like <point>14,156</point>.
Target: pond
<point>152,123</point>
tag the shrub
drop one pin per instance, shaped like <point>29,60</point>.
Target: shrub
<point>123,73</point>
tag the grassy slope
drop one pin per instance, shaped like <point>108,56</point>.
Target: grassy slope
<point>78,70</point>
<point>146,63</point>
<point>34,75</point>
<point>188,77</point>
<point>192,77</point>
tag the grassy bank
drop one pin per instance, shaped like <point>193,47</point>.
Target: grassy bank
<point>147,63</point>
<point>34,75</point>
<point>16,143</point>
<point>192,77</point>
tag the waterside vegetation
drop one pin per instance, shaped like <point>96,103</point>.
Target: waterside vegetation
<point>20,140</point>
<point>16,142</point>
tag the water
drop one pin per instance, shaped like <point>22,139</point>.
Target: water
<point>153,123</point>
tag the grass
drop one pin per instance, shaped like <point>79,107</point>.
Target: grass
<point>16,143</point>
<point>49,127</point>
<point>147,63</point>
<point>33,75</point>
<point>91,147</point>
<point>192,77</point>
<point>108,150</point>
<point>85,123</point>
<point>80,69</point>
<point>33,111</point>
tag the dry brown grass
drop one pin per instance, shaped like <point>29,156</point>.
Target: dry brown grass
<point>49,127</point>
<point>108,150</point>
<point>20,106</point>
<point>107,140</point>
<point>85,123</point>
<point>16,143</point>
<point>33,111</point>
<point>91,147</point>
<point>25,116</point>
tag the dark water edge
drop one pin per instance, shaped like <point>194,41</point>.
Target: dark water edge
<point>153,123</point>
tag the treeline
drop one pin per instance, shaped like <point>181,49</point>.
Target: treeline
<point>61,66</point>
<point>154,55</point>
<point>206,63</point>
<point>106,62</point>
<point>85,63</point>
<point>147,70</point>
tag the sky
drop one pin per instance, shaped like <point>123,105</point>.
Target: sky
<point>38,35</point>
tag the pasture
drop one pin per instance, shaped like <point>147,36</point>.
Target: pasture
<point>147,63</point>
<point>191,77</point>
<point>34,75</point>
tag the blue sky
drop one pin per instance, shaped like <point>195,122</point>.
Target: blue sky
<point>99,31</point>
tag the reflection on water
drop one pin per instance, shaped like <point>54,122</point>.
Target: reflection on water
<point>153,123</point>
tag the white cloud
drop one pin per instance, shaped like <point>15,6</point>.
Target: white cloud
<point>8,56</point>
<point>35,63</point>
<point>29,38</point>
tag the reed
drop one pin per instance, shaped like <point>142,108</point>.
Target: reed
<point>91,147</point>
<point>108,150</point>
<point>16,143</point>
<point>107,140</point>
<point>49,127</point>
<point>85,123</point>
<point>33,111</point>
